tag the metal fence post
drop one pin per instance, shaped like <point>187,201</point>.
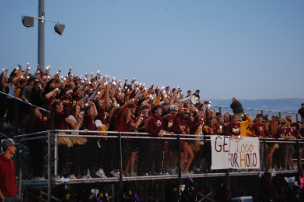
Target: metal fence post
<point>280,115</point>
<point>120,166</point>
<point>299,158</point>
<point>220,110</point>
<point>262,112</point>
<point>55,154</point>
<point>179,160</point>
<point>49,165</point>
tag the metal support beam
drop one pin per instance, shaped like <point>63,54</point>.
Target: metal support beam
<point>41,15</point>
<point>49,166</point>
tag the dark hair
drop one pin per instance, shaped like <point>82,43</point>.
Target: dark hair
<point>53,111</point>
<point>31,114</point>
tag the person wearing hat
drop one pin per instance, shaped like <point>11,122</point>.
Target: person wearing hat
<point>155,127</point>
<point>165,108</point>
<point>301,112</point>
<point>8,187</point>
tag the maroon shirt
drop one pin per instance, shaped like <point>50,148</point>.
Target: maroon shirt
<point>233,129</point>
<point>286,131</point>
<point>101,115</point>
<point>120,123</point>
<point>8,176</point>
<point>154,125</point>
<point>89,123</point>
<point>36,124</point>
<point>48,102</point>
<point>168,122</point>
<point>259,129</point>
<point>59,118</point>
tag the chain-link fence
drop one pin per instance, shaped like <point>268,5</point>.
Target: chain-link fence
<point>63,165</point>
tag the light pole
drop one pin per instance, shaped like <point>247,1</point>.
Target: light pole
<point>28,21</point>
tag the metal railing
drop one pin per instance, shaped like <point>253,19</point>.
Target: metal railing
<point>56,153</point>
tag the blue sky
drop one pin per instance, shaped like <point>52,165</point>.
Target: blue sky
<point>250,49</point>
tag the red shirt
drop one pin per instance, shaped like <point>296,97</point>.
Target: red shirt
<point>101,115</point>
<point>154,125</point>
<point>89,123</point>
<point>286,131</point>
<point>259,129</point>
<point>210,130</point>
<point>168,122</point>
<point>59,118</point>
<point>120,123</point>
<point>8,176</point>
<point>233,129</point>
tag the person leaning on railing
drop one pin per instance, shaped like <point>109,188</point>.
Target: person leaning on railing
<point>34,123</point>
<point>58,115</point>
<point>272,147</point>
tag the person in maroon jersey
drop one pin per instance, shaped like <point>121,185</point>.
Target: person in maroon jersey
<point>258,128</point>
<point>233,129</point>
<point>155,127</point>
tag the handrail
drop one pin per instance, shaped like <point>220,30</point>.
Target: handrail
<point>42,109</point>
<point>143,136</point>
<point>265,110</point>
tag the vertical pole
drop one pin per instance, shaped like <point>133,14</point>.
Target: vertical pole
<point>280,115</point>
<point>41,34</point>
<point>55,155</point>
<point>179,160</point>
<point>20,183</point>
<point>297,118</point>
<point>220,110</point>
<point>120,166</point>
<point>262,112</point>
<point>299,156</point>
<point>49,165</point>
<point>113,193</point>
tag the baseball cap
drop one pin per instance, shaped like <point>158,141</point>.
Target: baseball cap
<point>174,107</point>
<point>132,106</point>
<point>8,142</point>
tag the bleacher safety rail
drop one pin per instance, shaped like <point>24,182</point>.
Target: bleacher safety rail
<point>59,159</point>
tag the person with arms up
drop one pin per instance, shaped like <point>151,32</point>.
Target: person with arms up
<point>8,187</point>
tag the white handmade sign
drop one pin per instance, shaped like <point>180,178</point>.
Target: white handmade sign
<point>228,152</point>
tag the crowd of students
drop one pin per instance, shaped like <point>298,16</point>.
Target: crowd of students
<point>98,103</point>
